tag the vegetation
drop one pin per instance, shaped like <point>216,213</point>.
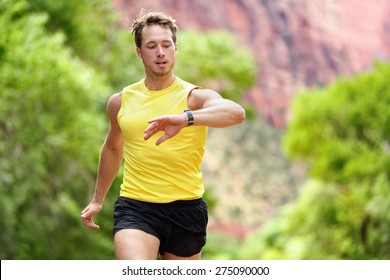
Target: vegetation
<point>59,63</point>
<point>342,133</point>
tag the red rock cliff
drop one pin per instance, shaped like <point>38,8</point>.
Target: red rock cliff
<point>297,43</point>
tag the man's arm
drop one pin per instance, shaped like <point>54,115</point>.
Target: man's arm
<point>109,164</point>
<point>208,108</point>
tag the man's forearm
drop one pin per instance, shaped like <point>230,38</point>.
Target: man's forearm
<point>221,115</point>
<point>110,161</point>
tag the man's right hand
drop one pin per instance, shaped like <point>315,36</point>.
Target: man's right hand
<point>87,214</point>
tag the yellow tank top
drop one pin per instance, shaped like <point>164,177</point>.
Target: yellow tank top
<point>170,171</point>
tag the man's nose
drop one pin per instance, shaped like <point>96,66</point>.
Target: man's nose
<point>160,51</point>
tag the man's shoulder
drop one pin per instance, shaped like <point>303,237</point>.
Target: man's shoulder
<point>186,84</point>
<point>114,102</point>
<point>116,97</point>
<point>133,86</point>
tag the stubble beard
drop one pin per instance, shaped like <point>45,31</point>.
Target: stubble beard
<point>163,72</point>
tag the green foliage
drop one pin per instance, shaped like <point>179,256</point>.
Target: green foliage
<point>221,246</point>
<point>340,129</point>
<point>342,134</point>
<point>91,29</point>
<point>323,223</point>
<point>49,131</point>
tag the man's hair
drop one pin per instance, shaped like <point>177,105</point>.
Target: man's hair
<point>151,18</point>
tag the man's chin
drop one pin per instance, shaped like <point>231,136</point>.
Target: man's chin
<point>161,74</point>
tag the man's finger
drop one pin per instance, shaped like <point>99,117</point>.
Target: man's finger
<point>88,222</point>
<point>149,134</point>
<point>162,139</point>
<point>154,120</point>
<point>150,127</point>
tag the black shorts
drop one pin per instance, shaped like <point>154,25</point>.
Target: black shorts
<point>180,225</point>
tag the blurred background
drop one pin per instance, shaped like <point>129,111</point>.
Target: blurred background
<point>305,177</point>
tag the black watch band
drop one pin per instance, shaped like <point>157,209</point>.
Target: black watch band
<point>190,117</point>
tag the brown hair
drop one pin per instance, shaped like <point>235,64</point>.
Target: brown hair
<point>150,18</point>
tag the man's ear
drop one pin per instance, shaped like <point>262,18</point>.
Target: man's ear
<point>176,49</point>
<point>138,51</point>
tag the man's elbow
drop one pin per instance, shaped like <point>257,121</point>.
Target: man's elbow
<point>239,115</point>
<point>112,148</point>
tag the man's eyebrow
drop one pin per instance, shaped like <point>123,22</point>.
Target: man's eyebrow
<point>155,41</point>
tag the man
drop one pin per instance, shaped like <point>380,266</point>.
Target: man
<point>159,125</point>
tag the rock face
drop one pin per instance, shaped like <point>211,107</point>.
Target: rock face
<point>298,44</point>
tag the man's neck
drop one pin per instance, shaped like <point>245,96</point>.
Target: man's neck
<point>153,83</point>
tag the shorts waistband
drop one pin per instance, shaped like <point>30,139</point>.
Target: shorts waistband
<point>177,203</point>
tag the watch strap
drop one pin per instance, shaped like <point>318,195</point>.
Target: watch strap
<point>190,117</point>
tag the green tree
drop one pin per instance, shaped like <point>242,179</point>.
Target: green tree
<point>91,29</point>
<point>342,133</point>
<point>49,131</point>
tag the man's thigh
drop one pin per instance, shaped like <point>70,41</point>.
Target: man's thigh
<point>134,244</point>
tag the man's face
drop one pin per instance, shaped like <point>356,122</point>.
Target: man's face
<point>158,51</point>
